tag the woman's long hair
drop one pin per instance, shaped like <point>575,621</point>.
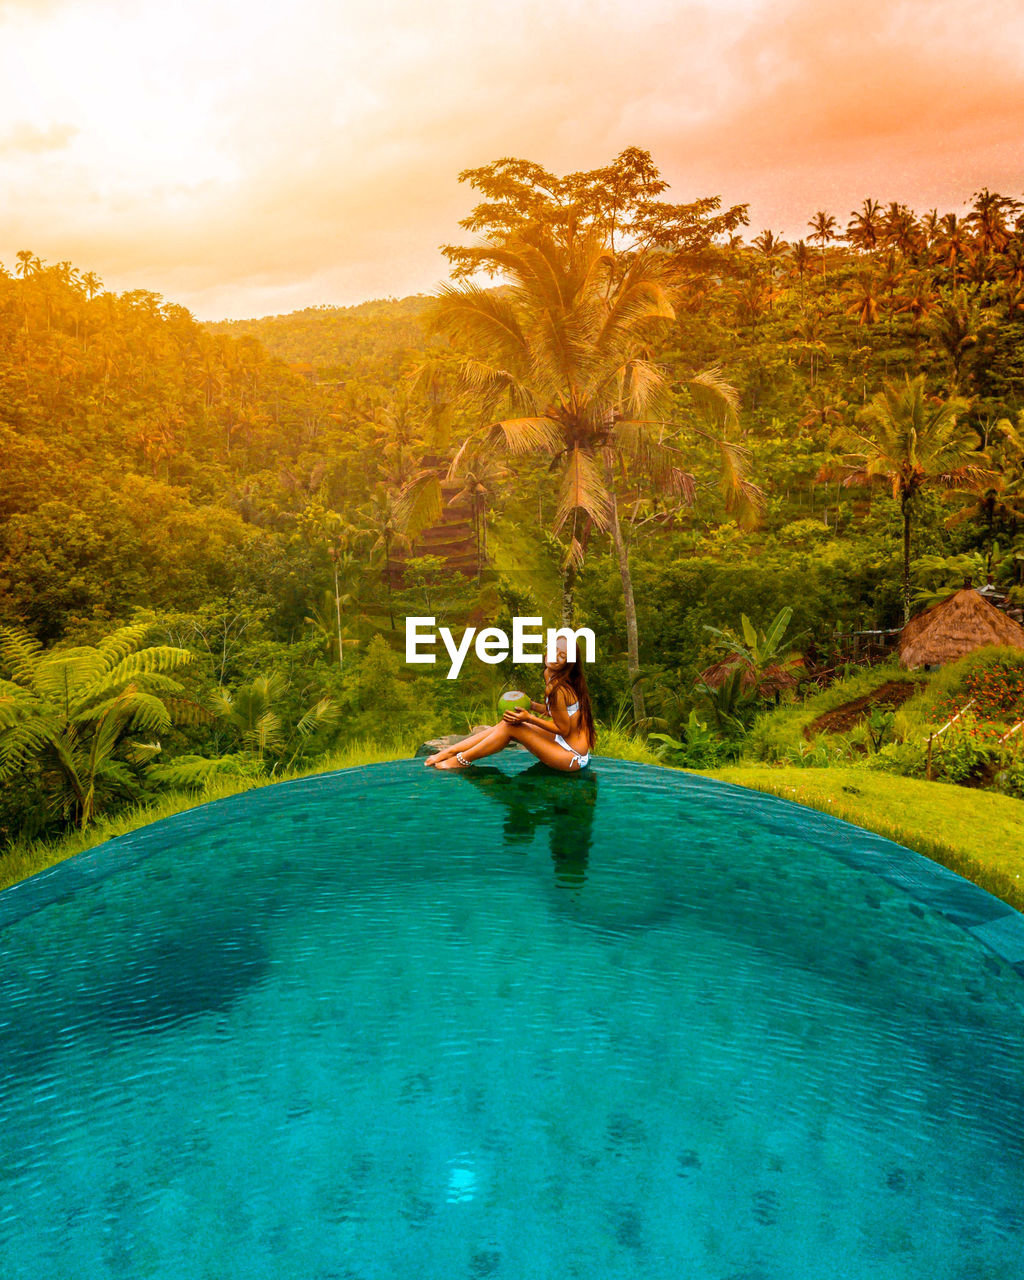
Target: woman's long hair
<point>575,678</point>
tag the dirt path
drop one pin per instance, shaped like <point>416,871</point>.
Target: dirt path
<point>841,719</point>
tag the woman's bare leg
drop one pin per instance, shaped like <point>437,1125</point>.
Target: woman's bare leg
<point>541,744</point>
<point>494,739</point>
<point>447,752</point>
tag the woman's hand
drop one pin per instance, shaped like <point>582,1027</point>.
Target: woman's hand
<point>514,717</point>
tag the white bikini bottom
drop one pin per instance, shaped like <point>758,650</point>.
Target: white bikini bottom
<point>580,760</point>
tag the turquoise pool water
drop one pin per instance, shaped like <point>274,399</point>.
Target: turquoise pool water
<point>386,1023</point>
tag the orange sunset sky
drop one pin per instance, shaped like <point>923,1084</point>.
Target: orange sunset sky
<point>252,158</point>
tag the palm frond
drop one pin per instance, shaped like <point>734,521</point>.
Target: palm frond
<point>19,742</point>
<point>62,675</point>
<point>419,504</point>
<point>140,752</point>
<point>325,714</point>
<point>184,711</point>
<point>641,445</point>
<point>117,646</point>
<point>480,319</point>
<point>582,488</point>
<point>717,399</point>
<point>266,732</point>
<point>19,653</point>
<point>155,660</point>
<point>222,702</point>
<point>193,771</point>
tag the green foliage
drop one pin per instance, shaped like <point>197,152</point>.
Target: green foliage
<point>158,469</point>
<point>382,703</point>
<point>992,676</point>
<point>965,752</point>
<point>731,708</point>
<point>71,717</point>
<point>820,753</point>
<point>260,725</point>
<point>1009,778</point>
<point>879,724</point>
<point>700,747</point>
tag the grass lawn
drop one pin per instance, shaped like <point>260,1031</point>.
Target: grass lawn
<point>978,834</point>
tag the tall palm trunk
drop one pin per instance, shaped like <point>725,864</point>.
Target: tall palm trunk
<point>632,633</point>
<point>337,610</point>
<point>905,506</point>
<point>570,575</point>
<point>387,577</point>
<point>568,593</point>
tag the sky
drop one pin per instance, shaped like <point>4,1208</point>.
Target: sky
<point>243,158</point>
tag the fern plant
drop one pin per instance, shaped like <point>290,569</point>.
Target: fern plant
<point>78,717</point>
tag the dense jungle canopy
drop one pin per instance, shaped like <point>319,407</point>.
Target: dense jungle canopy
<point>265,495</point>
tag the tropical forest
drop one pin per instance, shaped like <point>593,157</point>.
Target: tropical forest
<point>751,466</point>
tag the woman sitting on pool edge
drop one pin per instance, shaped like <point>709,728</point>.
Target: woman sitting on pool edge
<point>563,742</point>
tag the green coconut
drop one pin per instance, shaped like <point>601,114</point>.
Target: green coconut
<point>513,700</point>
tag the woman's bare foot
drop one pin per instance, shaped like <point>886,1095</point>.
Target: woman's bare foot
<point>456,763</point>
<point>438,756</point>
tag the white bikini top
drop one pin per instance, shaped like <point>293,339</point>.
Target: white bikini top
<point>569,710</point>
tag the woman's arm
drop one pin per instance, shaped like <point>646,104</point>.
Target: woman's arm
<point>524,717</point>
<point>560,721</point>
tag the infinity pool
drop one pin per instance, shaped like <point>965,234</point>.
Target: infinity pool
<point>386,1024</point>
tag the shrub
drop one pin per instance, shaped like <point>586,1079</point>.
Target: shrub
<point>993,676</point>
<point>1009,779</point>
<point>700,747</point>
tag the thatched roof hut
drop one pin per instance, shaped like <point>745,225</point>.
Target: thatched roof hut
<point>773,679</point>
<point>961,623</point>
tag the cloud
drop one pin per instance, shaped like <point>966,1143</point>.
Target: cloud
<point>248,159</point>
<point>920,103</point>
<point>36,140</point>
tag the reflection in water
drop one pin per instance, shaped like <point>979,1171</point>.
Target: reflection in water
<point>544,797</point>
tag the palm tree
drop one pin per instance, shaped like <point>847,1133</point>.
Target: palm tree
<point>256,717</point>
<point>564,349</point>
<point>864,230</point>
<point>751,299</point>
<point>480,477</point>
<point>770,247</point>
<point>1011,271</point>
<point>27,263</point>
<point>865,302</point>
<point>801,261</point>
<point>890,277</point>
<point>900,230</point>
<point>334,534</point>
<point>909,441</point>
<point>955,327</point>
<point>952,246</point>
<point>822,409</point>
<point>918,298</point>
<point>385,520</point>
<point>988,216</point>
<point>1002,496</point>
<point>823,229</point>
<point>809,331</point>
<point>71,712</point>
